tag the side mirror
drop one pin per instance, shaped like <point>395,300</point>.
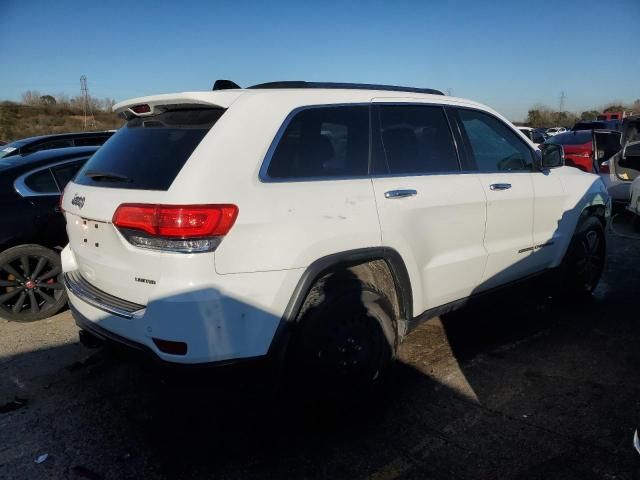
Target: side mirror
<point>631,149</point>
<point>552,156</point>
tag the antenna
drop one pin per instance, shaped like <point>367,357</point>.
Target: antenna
<point>562,97</point>
<point>87,111</point>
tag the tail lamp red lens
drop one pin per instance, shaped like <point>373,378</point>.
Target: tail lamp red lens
<point>604,167</point>
<point>177,221</point>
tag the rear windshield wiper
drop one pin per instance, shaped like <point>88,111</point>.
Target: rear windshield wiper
<point>98,175</point>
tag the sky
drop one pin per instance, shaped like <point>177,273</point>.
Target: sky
<point>510,55</point>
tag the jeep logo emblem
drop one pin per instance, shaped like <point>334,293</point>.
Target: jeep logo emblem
<point>78,201</point>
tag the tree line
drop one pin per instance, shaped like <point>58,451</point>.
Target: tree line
<point>63,101</point>
<point>544,116</point>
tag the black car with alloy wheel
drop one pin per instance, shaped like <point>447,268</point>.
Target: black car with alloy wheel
<point>33,230</point>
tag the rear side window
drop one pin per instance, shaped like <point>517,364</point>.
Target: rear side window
<point>42,182</point>
<point>416,139</point>
<point>493,145</point>
<point>64,173</point>
<point>323,142</point>
<point>148,152</point>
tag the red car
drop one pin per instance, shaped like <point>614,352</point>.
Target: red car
<point>578,147</point>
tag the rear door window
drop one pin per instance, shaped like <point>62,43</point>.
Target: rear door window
<point>65,173</point>
<point>147,153</point>
<point>416,140</point>
<point>323,142</point>
<point>492,144</point>
<point>42,182</point>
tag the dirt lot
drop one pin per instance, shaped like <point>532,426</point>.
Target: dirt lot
<point>520,388</point>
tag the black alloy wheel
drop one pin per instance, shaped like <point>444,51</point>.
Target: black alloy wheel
<point>585,259</point>
<point>30,283</point>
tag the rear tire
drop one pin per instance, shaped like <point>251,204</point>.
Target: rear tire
<point>30,283</point>
<point>345,339</point>
<point>584,261</point>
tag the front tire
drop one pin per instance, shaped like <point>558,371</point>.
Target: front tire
<point>30,283</point>
<point>584,261</point>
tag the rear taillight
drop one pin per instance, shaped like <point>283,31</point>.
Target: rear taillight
<point>179,228</point>
<point>604,167</point>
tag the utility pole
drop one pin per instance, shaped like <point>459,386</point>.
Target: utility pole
<point>87,111</point>
<point>449,92</point>
<point>562,97</point>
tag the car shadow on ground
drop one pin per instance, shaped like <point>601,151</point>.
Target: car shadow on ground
<point>518,387</point>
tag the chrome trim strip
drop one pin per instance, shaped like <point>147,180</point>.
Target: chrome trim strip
<point>95,297</point>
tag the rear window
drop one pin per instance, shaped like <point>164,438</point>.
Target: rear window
<point>571,138</point>
<point>148,152</point>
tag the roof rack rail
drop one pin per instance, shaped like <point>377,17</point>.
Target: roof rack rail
<point>350,86</point>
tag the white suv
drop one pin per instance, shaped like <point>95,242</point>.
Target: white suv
<point>314,222</point>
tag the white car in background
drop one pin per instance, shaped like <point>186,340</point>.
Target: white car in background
<point>554,131</point>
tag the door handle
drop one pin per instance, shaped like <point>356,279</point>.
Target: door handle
<point>400,193</point>
<point>500,186</point>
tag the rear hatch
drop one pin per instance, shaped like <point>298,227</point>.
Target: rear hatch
<point>626,165</point>
<point>136,166</point>
<point>606,143</point>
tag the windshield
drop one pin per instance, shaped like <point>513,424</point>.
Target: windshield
<point>571,138</point>
<point>149,152</point>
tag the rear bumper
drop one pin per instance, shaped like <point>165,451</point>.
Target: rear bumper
<point>147,354</point>
<point>223,319</point>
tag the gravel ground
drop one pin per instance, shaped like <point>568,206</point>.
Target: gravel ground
<point>520,388</point>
